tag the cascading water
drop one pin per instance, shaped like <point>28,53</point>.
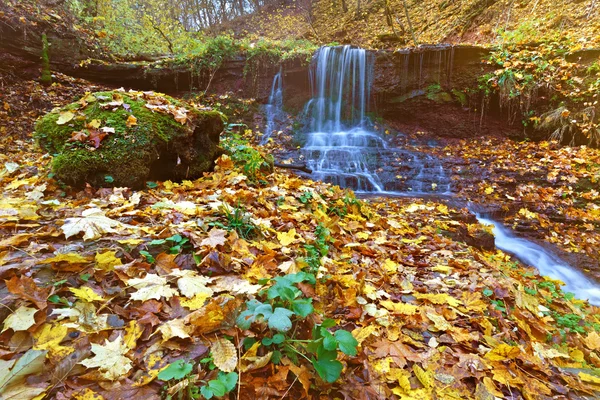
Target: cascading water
<point>340,149</point>
<point>546,262</point>
<point>274,109</point>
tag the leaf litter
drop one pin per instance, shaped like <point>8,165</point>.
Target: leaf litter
<point>106,288</point>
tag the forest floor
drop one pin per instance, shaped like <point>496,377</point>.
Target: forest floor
<point>105,289</point>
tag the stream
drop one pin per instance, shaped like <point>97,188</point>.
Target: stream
<point>344,150</point>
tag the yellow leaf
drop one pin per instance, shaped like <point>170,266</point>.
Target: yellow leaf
<point>174,328</point>
<point>64,117</point>
<point>400,308</point>
<point>503,352</point>
<point>196,302</point>
<point>592,341</point>
<point>363,235</point>
<point>224,355</point>
<point>360,334</point>
<point>133,331</point>
<point>390,266</point>
<point>71,258</point>
<point>441,298</point>
<point>439,321</point>
<point>131,121</point>
<point>151,286</point>
<point>107,261</point>
<point>49,338</point>
<point>286,238</point>
<point>21,320</point>
<point>588,378</point>
<point>88,394</point>
<point>86,294</point>
<point>110,359</point>
<point>250,361</point>
<point>425,377</point>
<point>94,124</point>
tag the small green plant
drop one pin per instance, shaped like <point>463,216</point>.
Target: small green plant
<point>176,243</point>
<point>283,308</point>
<point>244,155</point>
<point>180,370</point>
<point>237,220</point>
<point>46,77</point>
<point>318,249</point>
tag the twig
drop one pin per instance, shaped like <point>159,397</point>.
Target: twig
<point>300,167</point>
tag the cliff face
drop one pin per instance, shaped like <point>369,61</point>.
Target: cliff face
<point>430,88</point>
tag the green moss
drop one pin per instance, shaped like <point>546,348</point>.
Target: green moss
<point>46,76</point>
<point>460,96</point>
<point>156,147</point>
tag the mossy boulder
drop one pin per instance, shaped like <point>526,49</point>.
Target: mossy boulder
<point>127,138</point>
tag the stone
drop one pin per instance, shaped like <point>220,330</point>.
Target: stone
<point>119,138</point>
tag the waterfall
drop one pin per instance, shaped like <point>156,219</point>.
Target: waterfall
<point>274,109</point>
<point>339,148</point>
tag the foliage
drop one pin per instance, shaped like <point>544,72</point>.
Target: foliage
<point>525,73</point>
<point>46,77</point>
<point>253,162</point>
<point>285,303</point>
<point>224,382</point>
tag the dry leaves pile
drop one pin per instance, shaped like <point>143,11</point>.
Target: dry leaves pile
<point>103,290</point>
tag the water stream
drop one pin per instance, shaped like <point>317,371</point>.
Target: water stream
<point>343,149</point>
<point>547,263</point>
<point>274,109</point>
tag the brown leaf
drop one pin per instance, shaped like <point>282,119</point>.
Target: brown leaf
<point>26,288</point>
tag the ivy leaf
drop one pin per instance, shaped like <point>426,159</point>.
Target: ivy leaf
<point>346,342</point>
<point>280,319</point>
<point>328,370</point>
<point>255,310</point>
<point>302,307</point>
<point>229,380</point>
<point>176,370</point>
<point>329,341</point>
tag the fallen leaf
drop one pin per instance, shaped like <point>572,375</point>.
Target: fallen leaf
<point>21,320</point>
<point>224,355</point>
<point>151,286</point>
<point>110,359</point>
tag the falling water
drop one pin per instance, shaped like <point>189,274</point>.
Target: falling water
<point>274,109</point>
<point>546,262</point>
<point>340,149</point>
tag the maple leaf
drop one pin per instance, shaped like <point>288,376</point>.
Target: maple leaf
<point>131,121</point>
<point>93,224</point>
<point>216,237</point>
<point>78,136</point>
<point>151,286</point>
<point>96,136</point>
<point>21,320</point>
<point>86,294</point>
<point>110,359</point>
<point>287,238</point>
<point>190,283</point>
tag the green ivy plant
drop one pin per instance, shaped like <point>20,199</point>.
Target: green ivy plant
<point>179,370</point>
<point>283,307</point>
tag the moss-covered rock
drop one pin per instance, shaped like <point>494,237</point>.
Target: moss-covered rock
<point>125,139</point>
